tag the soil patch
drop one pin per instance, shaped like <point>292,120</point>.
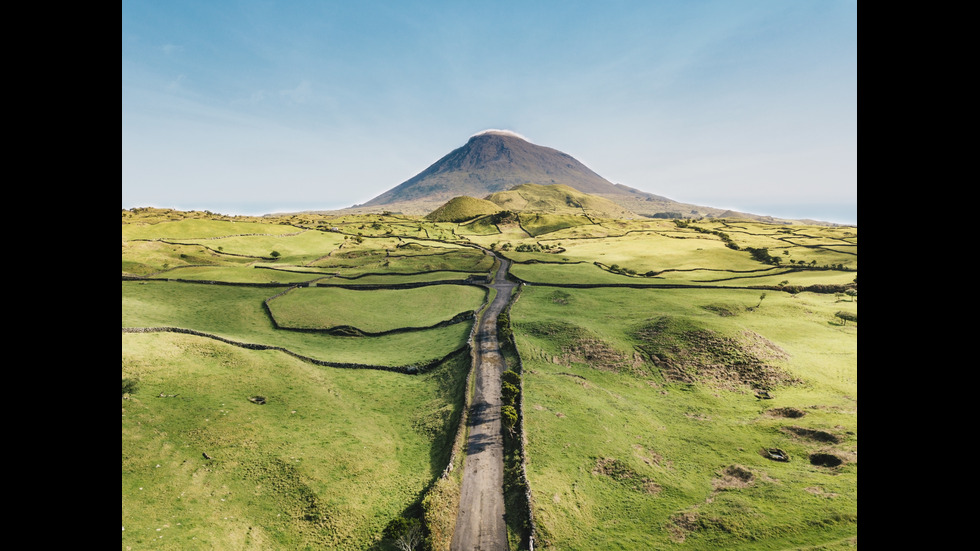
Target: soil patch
<point>579,346</point>
<point>620,472</point>
<point>597,354</point>
<point>791,413</point>
<point>733,477</point>
<point>815,435</point>
<point>683,524</point>
<point>723,310</point>
<point>686,353</point>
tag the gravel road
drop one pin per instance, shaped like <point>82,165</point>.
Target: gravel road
<point>480,524</point>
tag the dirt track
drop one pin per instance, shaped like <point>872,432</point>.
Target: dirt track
<point>480,524</point>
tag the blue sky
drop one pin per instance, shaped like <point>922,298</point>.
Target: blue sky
<point>253,107</point>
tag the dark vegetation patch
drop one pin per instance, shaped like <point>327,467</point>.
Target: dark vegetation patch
<point>578,345</point>
<point>815,435</point>
<point>433,421</point>
<point>823,459</point>
<point>130,385</point>
<point>559,333</point>
<point>620,472</point>
<point>733,477</point>
<point>723,310</point>
<point>686,353</point>
<point>682,524</point>
<point>560,297</point>
<point>303,512</point>
<point>791,413</point>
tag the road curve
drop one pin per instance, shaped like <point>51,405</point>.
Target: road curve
<point>480,523</point>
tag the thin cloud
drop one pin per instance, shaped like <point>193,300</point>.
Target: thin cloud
<point>499,131</point>
<point>176,83</point>
<point>301,94</point>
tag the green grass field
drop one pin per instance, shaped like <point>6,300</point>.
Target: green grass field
<point>374,311</point>
<point>328,461</point>
<point>651,415</point>
<point>622,456</point>
<point>237,313</point>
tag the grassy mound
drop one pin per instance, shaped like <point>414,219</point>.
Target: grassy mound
<point>686,353</point>
<point>557,199</point>
<point>462,208</point>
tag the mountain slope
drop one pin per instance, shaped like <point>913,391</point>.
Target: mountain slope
<point>498,160</point>
<point>489,162</point>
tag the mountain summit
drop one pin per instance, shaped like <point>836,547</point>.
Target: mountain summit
<point>492,161</point>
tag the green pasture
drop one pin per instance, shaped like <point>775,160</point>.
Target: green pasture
<point>374,311</point>
<point>622,457</point>
<point>540,224</point>
<point>327,462</point>
<point>254,273</point>
<point>644,408</point>
<point>695,258</point>
<point>238,314</point>
<point>371,226</point>
<point>367,260</point>
<point>143,258</point>
<point>621,227</point>
<point>649,251</point>
<point>305,246</point>
<point>193,228</point>
<point>394,279</point>
<point>478,227</point>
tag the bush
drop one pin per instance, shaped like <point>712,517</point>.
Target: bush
<point>509,392</point>
<point>275,254</point>
<point>508,416</point>
<point>846,317</point>
<point>130,386</point>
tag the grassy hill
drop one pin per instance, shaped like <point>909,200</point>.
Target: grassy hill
<point>557,199</point>
<point>668,369</point>
<point>461,209</point>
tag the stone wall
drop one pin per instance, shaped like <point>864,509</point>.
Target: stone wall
<point>411,369</point>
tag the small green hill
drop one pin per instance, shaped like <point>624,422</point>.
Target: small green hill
<point>462,208</point>
<point>557,199</point>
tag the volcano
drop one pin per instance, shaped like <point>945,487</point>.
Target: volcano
<point>493,161</point>
<point>499,160</point>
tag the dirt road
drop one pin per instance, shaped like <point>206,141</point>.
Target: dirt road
<point>480,524</point>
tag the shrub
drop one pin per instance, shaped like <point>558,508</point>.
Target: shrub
<point>508,416</point>
<point>129,386</point>
<point>846,317</point>
<point>274,254</point>
<point>508,393</point>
